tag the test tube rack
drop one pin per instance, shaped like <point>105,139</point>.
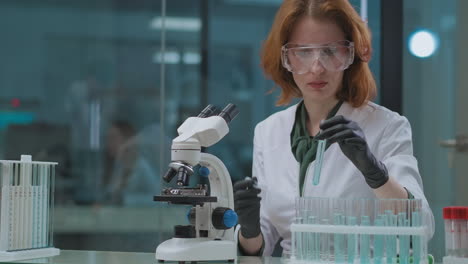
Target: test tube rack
<point>26,209</point>
<point>365,231</point>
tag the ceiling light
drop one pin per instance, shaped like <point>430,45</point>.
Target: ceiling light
<point>190,24</point>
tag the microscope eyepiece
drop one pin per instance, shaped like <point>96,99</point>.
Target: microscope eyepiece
<point>229,112</point>
<point>210,110</point>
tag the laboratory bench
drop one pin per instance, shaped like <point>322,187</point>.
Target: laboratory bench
<point>108,257</point>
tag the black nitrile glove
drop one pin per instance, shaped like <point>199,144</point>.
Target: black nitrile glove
<point>353,143</point>
<point>247,206</point>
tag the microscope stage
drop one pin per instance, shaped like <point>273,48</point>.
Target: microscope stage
<point>185,199</point>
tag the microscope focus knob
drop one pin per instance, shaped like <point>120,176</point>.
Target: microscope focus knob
<point>223,218</point>
<point>203,171</point>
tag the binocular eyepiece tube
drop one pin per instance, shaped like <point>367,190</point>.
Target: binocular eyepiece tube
<point>228,113</point>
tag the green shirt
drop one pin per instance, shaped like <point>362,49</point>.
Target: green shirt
<point>304,146</point>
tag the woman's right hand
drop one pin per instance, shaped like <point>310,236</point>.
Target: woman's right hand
<point>247,206</point>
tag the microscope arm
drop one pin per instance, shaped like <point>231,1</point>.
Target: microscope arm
<point>220,185</point>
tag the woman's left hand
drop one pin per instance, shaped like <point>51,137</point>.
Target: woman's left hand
<point>352,142</point>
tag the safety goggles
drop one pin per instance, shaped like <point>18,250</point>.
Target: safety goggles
<point>335,57</point>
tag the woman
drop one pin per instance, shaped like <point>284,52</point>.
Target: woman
<point>318,50</point>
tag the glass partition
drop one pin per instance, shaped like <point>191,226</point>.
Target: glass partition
<point>100,86</point>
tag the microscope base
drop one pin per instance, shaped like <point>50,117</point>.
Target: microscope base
<point>196,249</point>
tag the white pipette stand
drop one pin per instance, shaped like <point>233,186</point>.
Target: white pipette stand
<point>26,209</point>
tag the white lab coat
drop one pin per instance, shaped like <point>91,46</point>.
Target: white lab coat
<point>389,137</point>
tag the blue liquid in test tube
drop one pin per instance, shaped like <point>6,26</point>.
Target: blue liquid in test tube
<point>296,239</point>
<point>352,240</point>
<point>339,240</point>
<point>319,160</point>
<point>378,242</point>
<point>404,239</point>
<point>364,244</point>
<point>325,243</point>
<point>314,244</point>
<point>416,221</point>
<point>391,239</point>
<point>299,235</point>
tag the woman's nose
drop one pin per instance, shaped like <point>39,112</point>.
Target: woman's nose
<point>316,67</point>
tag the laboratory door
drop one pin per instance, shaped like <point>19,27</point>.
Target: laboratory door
<point>460,146</point>
<point>435,92</point>
<point>457,144</point>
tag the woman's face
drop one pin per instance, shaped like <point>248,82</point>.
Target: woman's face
<point>318,85</point>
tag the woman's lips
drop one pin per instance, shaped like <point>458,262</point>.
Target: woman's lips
<point>317,85</point>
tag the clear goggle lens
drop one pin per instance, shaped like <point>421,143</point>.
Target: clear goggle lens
<point>335,57</point>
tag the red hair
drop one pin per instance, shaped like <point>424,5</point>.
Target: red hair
<point>358,83</point>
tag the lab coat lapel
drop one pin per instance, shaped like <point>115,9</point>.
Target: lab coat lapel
<point>293,169</point>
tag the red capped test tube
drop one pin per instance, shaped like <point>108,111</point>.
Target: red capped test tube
<point>456,231</point>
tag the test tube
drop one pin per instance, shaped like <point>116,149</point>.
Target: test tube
<point>449,232</point>
<point>404,239</point>
<point>293,244</point>
<point>338,241</point>
<point>378,242</point>
<point>318,160</point>
<point>416,222</point>
<point>303,211</point>
<point>391,241</point>
<point>364,244</point>
<point>305,241</point>
<point>324,243</point>
<point>299,245</point>
<point>314,243</point>
<point>463,222</point>
<point>464,235</point>
<point>296,241</point>
<point>352,240</point>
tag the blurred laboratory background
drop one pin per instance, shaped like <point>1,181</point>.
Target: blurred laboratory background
<point>100,86</point>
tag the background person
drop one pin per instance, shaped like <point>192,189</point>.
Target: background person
<point>128,178</point>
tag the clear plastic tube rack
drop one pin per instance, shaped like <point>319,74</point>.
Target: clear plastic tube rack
<point>380,231</point>
<point>26,209</point>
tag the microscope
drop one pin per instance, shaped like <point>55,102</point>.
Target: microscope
<point>210,235</point>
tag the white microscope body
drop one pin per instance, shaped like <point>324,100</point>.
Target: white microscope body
<point>210,235</point>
